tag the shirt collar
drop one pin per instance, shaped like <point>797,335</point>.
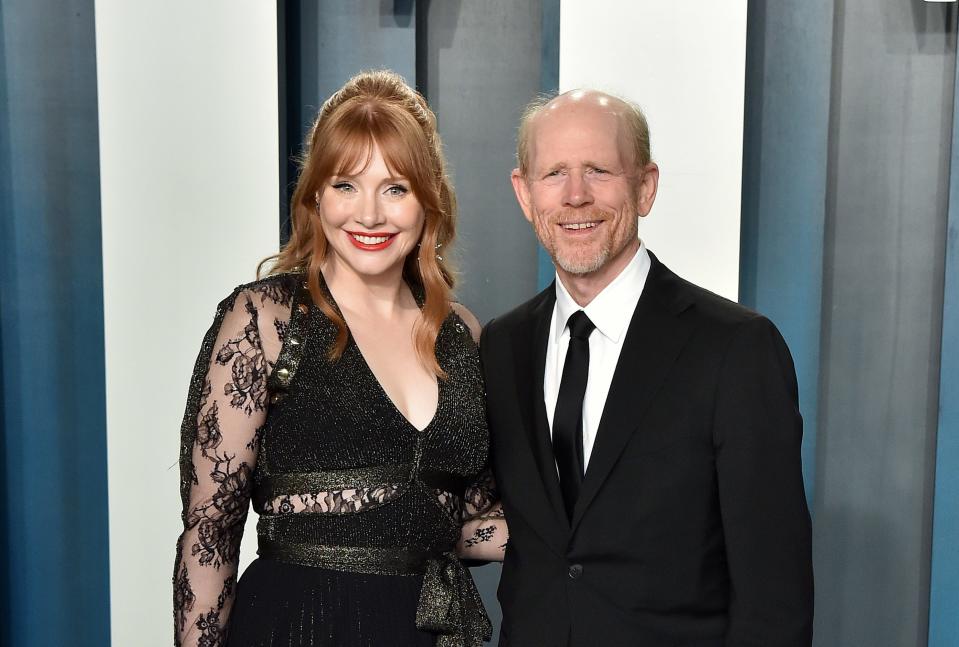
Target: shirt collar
<point>611,309</point>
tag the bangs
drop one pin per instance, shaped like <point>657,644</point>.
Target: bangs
<point>402,143</point>
<point>352,154</point>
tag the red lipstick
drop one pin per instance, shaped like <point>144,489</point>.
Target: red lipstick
<point>370,247</point>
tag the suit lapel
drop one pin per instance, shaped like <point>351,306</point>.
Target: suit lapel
<point>654,339</point>
<point>529,346</point>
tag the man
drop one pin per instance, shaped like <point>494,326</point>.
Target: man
<point>645,432</point>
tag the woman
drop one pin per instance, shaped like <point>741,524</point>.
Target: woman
<point>342,394</point>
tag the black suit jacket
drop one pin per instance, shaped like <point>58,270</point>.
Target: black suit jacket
<point>691,528</point>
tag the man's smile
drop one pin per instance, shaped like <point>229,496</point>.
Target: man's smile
<point>580,228</point>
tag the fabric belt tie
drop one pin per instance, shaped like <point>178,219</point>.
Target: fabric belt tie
<point>449,605</point>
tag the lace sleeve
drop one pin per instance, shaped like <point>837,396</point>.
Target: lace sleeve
<point>481,497</point>
<point>226,407</point>
<point>484,534</point>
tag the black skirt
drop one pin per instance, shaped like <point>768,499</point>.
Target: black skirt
<point>298,606</point>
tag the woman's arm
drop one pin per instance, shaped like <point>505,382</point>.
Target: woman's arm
<point>485,537</point>
<point>484,533</point>
<point>226,407</point>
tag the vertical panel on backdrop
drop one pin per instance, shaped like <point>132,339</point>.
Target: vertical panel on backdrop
<point>686,71</point>
<point>482,65</point>
<point>55,573</point>
<point>788,68</point>
<point>944,584</point>
<point>188,150</point>
<point>883,261</point>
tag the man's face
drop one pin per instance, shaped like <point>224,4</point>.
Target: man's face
<point>584,193</point>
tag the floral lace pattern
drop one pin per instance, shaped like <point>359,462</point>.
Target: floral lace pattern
<point>484,533</point>
<point>453,504</point>
<point>333,502</point>
<point>220,520</point>
<point>481,535</point>
<point>183,598</point>
<point>278,293</point>
<point>481,498</point>
<point>244,356</point>
<point>231,405</point>
<point>281,328</point>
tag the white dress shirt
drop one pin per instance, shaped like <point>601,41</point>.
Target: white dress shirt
<point>611,312</point>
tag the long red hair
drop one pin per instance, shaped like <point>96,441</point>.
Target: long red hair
<point>377,108</point>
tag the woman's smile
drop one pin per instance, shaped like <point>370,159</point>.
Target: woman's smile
<point>370,242</point>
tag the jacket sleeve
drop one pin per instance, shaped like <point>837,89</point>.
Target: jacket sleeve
<point>757,433</point>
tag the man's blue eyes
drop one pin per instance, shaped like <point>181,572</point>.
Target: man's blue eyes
<point>589,171</point>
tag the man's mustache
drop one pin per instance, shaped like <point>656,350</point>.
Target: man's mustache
<point>571,215</point>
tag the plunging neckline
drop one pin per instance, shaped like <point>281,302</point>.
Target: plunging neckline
<point>379,385</point>
<point>351,340</point>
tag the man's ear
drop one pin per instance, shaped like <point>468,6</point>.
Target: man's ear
<point>521,188</point>
<point>646,188</point>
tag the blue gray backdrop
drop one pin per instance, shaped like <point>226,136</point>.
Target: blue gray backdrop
<point>850,243</point>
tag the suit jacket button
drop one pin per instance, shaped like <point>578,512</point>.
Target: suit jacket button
<point>575,571</point>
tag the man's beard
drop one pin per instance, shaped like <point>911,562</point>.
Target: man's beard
<point>573,265</point>
<point>573,261</point>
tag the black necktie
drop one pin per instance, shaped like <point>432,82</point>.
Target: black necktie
<point>568,415</point>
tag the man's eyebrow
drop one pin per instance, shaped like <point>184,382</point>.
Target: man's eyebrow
<point>602,165</point>
<point>563,166</point>
<point>559,166</point>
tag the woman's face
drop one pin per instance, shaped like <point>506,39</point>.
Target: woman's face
<point>371,219</point>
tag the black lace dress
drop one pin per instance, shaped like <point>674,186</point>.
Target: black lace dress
<point>359,511</point>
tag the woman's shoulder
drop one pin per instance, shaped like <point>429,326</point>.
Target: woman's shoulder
<point>275,290</point>
<point>273,293</point>
<point>468,318</point>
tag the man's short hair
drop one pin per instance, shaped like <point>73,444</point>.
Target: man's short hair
<point>633,117</point>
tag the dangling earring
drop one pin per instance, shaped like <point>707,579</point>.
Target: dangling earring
<point>436,246</point>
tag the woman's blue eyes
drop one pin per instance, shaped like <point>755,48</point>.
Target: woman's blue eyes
<point>395,190</point>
